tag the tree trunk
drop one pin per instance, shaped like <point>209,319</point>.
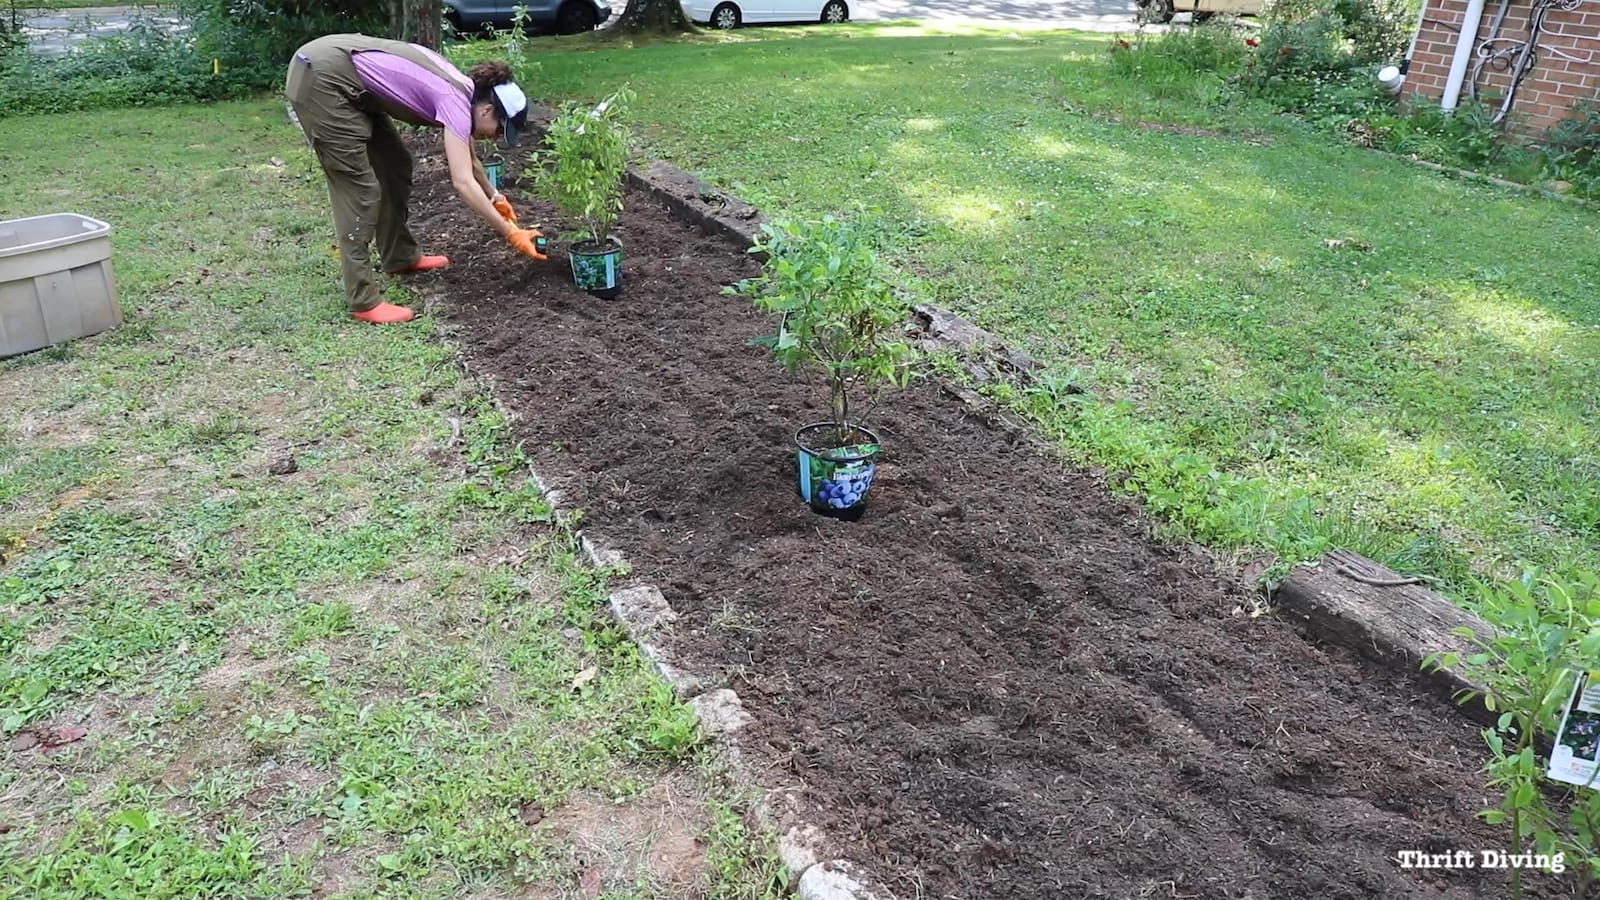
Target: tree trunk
<point>417,21</point>
<point>654,16</point>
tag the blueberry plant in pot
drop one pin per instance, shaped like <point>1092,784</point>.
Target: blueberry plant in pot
<point>1546,637</point>
<point>841,318</point>
<point>586,158</point>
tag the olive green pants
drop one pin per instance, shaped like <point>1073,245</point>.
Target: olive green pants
<point>367,166</point>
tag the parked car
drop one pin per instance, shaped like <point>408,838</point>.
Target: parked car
<point>1163,10</point>
<point>544,16</point>
<point>731,14</point>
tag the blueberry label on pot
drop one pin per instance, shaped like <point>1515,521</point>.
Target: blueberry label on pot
<point>846,486</point>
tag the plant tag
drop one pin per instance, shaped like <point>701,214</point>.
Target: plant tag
<point>1576,757</point>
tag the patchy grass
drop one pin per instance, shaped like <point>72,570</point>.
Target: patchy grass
<point>1288,343</point>
<point>353,680</point>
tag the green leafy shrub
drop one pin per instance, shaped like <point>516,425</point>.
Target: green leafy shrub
<point>1547,633</point>
<point>1572,149</point>
<point>1378,30</point>
<point>1309,46</point>
<point>1302,49</point>
<point>233,48</point>
<point>585,161</point>
<point>1465,138</point>
<point>1189,63</point>
<point>840,314</point>
<point>253,39</point>
<point>144,67</point>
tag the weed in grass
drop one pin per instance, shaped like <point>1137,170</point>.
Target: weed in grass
<point>318,621</point>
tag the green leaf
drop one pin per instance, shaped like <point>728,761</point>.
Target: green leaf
<point>1493,816</point>
<point>131,819</point>
<point>1523,797</point>
<point>34,692</point>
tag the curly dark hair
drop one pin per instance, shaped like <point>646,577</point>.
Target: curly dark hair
<point>485,76</point>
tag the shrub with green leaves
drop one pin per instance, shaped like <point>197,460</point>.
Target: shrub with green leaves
<point>232,49</point>
<point>1190,63</point>
<point>144,67</point>
<point>1572,149</point>
<point>585,160</point>
<point>1301,49</point>
<point>840,314</point>
<point>253,39</point>
<point>1378,30</point>
<point>1547,633</point>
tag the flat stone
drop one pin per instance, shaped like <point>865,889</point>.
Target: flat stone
<point>721,712</point>
<point>837,880</point>
<point>686,684</point>
<point>640,609</point>
<point>796,849</point>
<point>601,557</point>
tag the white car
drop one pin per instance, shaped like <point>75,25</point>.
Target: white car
<point>733,13</point>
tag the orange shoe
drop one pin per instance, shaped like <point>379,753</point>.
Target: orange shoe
<point>385,314</point>
<point>424,264</point>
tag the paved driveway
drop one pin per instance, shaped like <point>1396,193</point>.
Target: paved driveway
<point>1088,15</point>
<point>1084,15</point>
<point>51,33</point>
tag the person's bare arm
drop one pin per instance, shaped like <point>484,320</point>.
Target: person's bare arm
<point>465,175</point>
<point>483,178</point>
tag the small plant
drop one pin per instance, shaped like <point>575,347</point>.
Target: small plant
<point>840,316</point>
<point>267,734</point>
<point>517,37</point>
<point>1547,633</point>
<point>587,158</point>
<point>1571,150</point>
<point>671,728</point>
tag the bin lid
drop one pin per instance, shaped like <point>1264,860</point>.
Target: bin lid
<point>35,233</point>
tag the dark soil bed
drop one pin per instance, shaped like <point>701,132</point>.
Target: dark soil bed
<point>996,684</point>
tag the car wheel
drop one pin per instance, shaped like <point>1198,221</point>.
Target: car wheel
<point>1156,11</point>
<point>835,12</point>
<point>725,16</point>
<point>576,17</point>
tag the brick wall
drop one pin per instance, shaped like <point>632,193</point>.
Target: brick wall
<point>1547,93</point>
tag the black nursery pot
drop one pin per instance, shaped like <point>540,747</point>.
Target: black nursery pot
<point>597,267</point>
<point>835,480</point>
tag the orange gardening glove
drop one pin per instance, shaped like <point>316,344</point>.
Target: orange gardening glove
<point>525,240</point>
<point>503,207</point>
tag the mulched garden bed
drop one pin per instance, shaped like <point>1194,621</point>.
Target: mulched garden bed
<point>995,685</point>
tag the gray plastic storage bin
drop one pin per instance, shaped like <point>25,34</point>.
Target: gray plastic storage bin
<point>55,281</point>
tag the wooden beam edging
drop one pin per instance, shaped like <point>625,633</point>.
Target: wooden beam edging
<point>1350,600</point>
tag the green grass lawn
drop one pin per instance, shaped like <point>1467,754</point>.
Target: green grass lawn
<point>1422,388</point>
<point>361,678</point>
